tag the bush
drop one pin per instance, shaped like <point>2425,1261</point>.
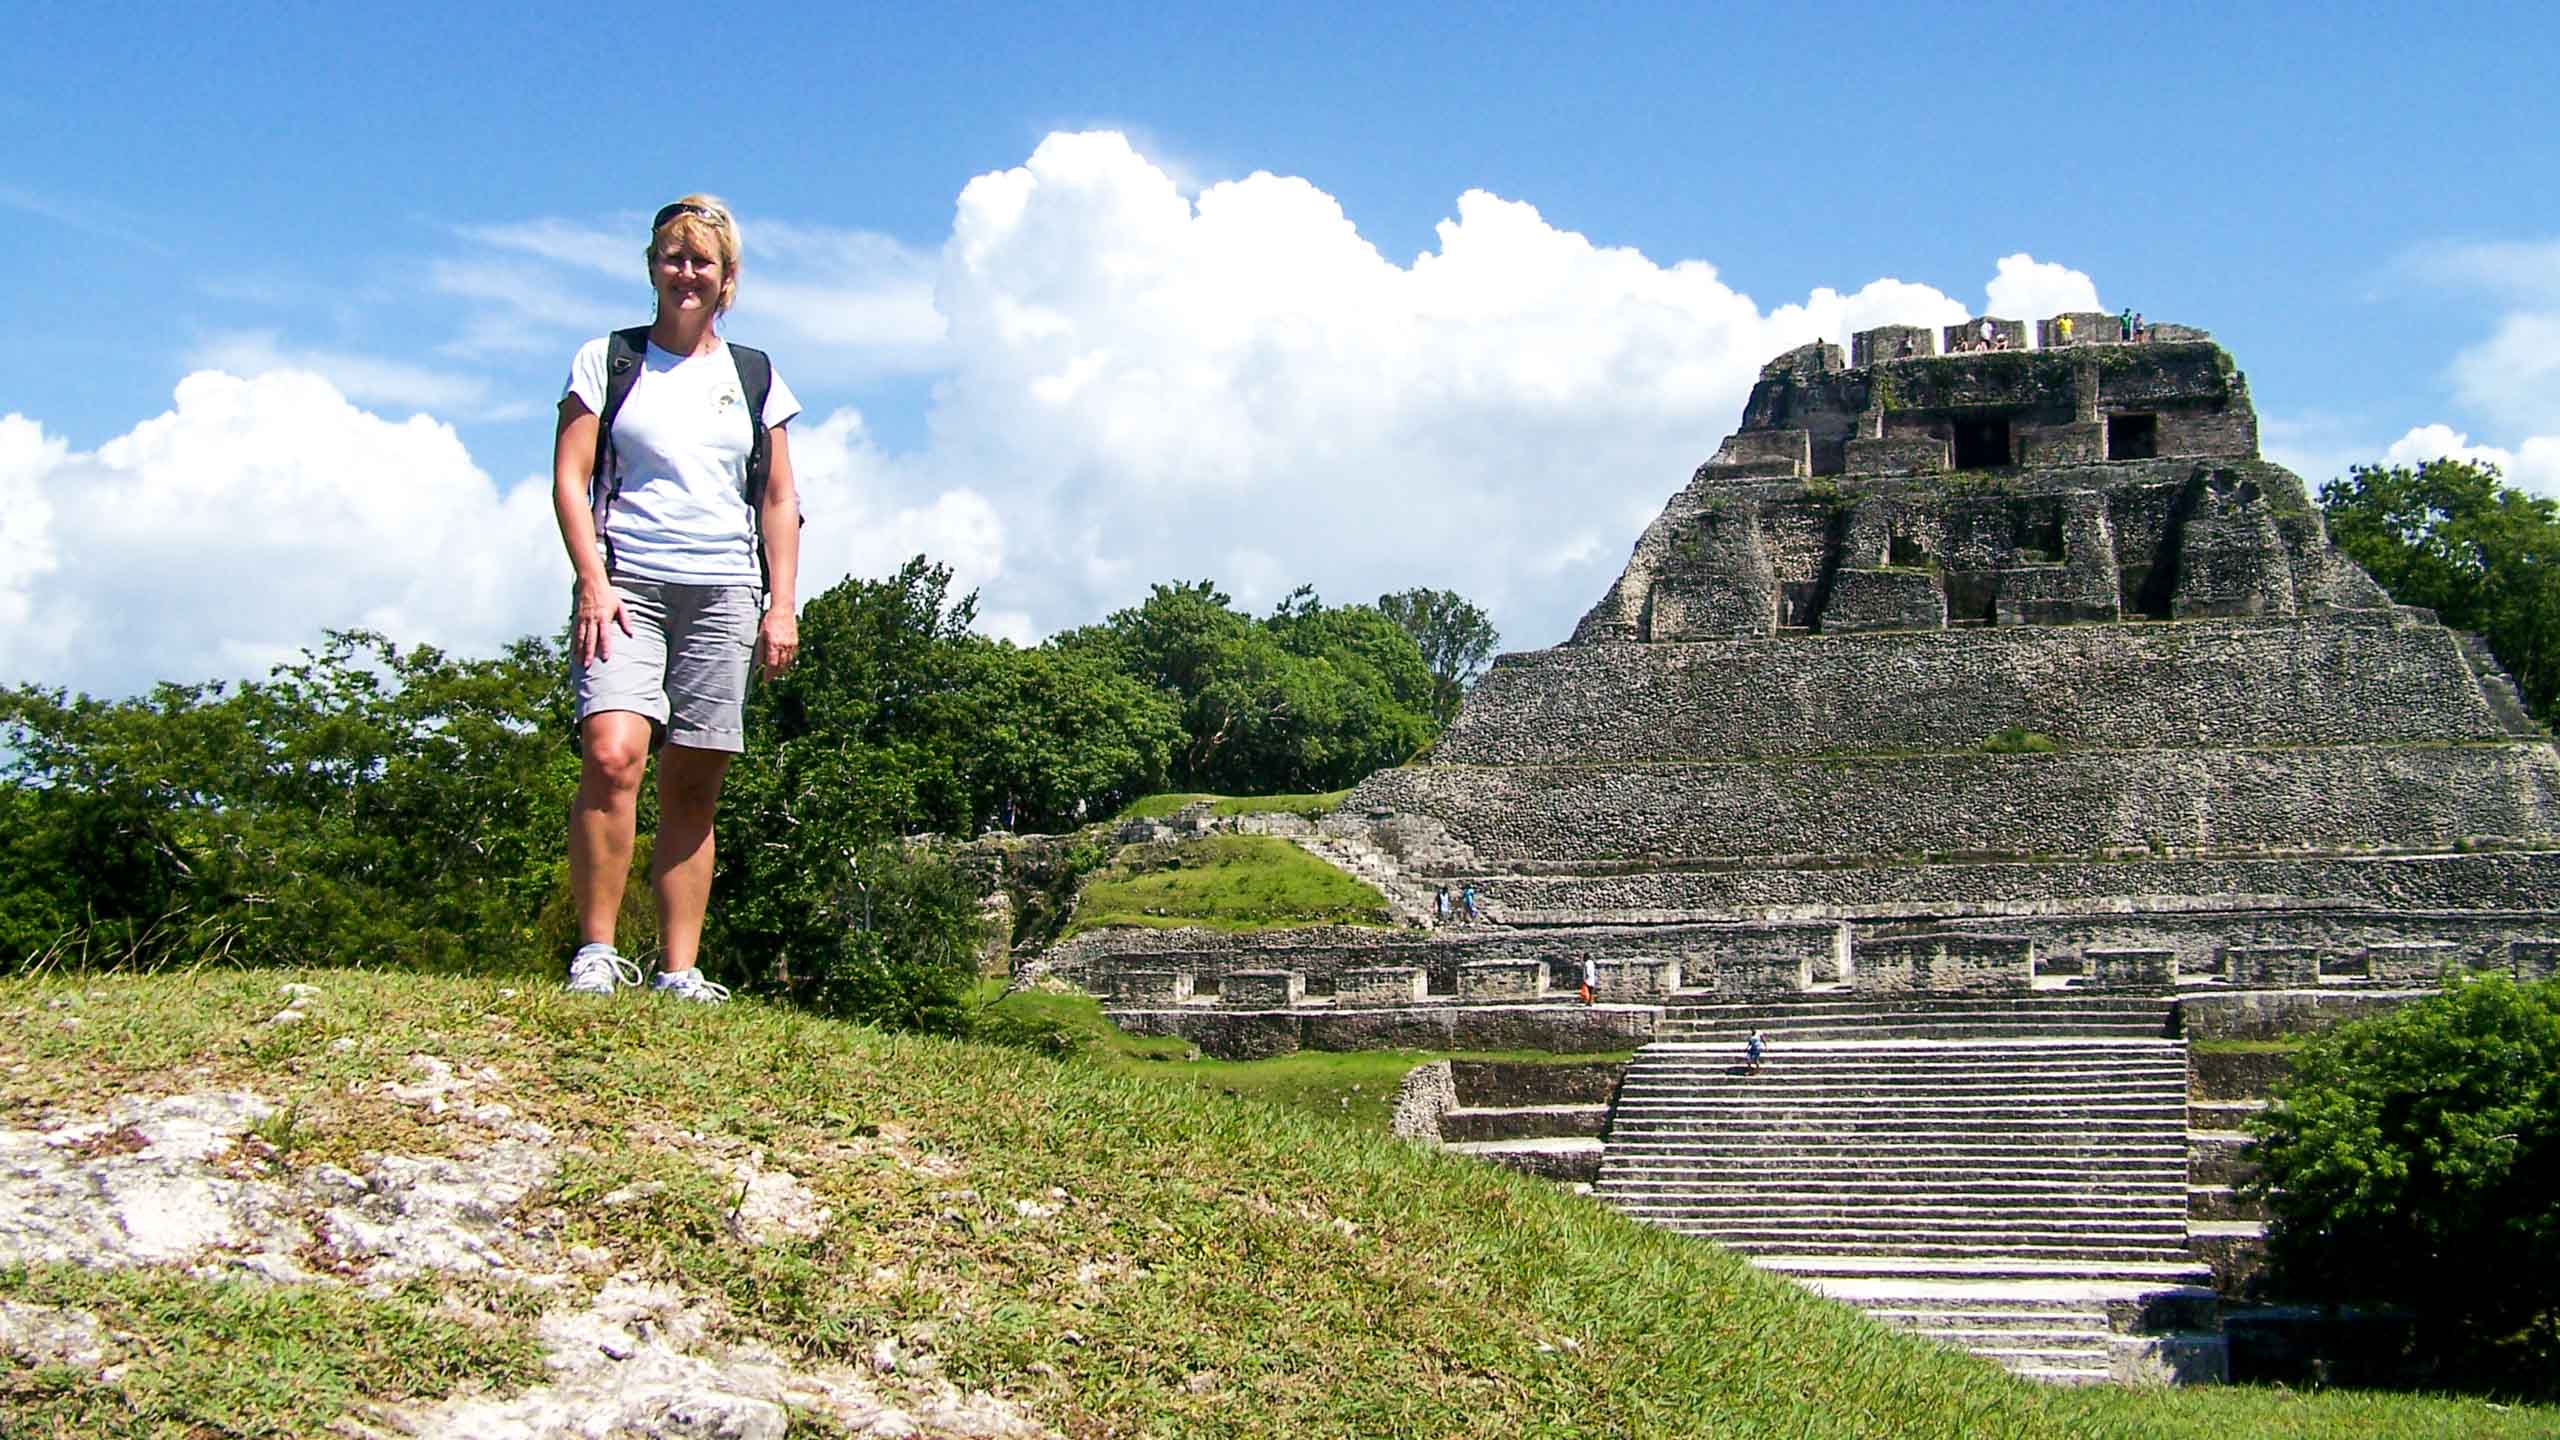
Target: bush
<point>2018,740</point>
<point>2411,1163</point>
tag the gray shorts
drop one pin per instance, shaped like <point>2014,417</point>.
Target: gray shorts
<point>684,665</point>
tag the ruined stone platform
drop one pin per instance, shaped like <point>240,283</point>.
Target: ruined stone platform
<point>1961,705</point>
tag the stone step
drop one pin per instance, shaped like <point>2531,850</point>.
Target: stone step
<point>2161,1218</point>
<point>1522,1122</point>
<point>1862,1112</point>
<point>1995,1236</point>
<point>1871,1029</point>
<point>2054,1321</point>
<point>1813,1193</point>
<point>2068,1258</point>
<point>1953,1147</point>
<point>2164,1274</point>
<point>2222,1202</point>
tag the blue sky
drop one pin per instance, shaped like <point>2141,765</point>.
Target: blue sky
<point>1363,296</point>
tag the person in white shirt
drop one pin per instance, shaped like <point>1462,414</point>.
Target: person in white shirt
<point>681,583</point>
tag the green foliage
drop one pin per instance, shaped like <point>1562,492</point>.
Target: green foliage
<point>1311,699</point>
<point>1457,640</point>
<point>896,943</point>
<point>364,805</point>
<point>897,721</point>
<point>2411,1163</point>
<point>2485,556</point>
<point>2018,740</point>
<point>1225,882</point>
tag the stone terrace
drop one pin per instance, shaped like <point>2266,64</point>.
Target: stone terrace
<point>1969,723</point>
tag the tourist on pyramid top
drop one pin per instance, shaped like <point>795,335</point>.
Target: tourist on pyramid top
<point>2062,330</point>
<point>2124,324</point>
<point>682,524</point>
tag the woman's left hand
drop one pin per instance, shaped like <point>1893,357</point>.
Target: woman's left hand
<point>777,641</point>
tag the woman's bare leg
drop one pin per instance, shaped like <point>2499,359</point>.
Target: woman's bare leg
<point>681,864</point>
<point>614,754</point>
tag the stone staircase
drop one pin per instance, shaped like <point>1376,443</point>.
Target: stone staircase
<point>1844,1014</point>
<point>1408,900</point>
<point>2016,1187</point>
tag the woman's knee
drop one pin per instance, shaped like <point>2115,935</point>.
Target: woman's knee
<point>613,759</point>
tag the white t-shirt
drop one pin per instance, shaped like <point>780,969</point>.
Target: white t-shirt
<point>679,515</point>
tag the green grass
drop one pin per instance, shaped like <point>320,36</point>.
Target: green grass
<point>233,1357</point>
<point>1157,807</point>
<point>1357,1087</point>
<point>1215,1268</point>
<point>1226,882</point>
<point>2281,1046</point>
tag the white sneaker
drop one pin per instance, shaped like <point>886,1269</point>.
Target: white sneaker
<point>688,984</point>
<point>596,970</point>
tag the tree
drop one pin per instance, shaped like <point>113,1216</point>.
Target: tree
<point>2411,1163</point>
<point>1311,699</point>
<point>2485,556</point>
<point>364,805</point>
<point>1456,638</point>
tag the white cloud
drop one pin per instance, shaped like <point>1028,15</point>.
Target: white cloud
<point>1135,382</point>
<point>2533,465</point>
<point>229,531</point>
<point>2025,288</point>
<point>365,379</point>
<point>1150,386</point>
<point>2513,377</point>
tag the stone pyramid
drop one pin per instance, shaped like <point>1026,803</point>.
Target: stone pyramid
<point>1998,670</point>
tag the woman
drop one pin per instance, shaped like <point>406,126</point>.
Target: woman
<point>668,552</point>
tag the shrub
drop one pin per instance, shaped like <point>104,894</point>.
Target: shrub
<point>2018,740</point>
<point>2411,1163</point>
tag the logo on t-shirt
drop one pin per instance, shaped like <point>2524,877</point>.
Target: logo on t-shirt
<point>729,398</point>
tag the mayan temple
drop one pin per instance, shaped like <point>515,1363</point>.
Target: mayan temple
<point>1992,731</point>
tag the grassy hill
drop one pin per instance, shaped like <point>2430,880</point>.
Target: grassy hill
<point>1112,1256</point>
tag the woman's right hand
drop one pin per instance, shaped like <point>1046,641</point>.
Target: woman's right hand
<point>599,609</point>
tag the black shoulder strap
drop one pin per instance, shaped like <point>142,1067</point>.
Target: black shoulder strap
<point>755,377</point>
<point>624,352</point>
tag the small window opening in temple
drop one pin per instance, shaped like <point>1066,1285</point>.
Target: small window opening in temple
<point>1907,552</point>
<point>2133,437</point>
<point>1982,444</point>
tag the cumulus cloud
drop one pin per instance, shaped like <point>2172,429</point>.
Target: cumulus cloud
<point>2025,288</point>
<point>1136,380</point>
<point>2533,465</point>
<point>226,533</point>
<point>365,379</point>
<point>1238,384</point>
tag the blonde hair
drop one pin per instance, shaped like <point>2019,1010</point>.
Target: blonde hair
<point>704,221</point>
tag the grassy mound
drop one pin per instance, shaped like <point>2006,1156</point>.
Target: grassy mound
<point>1156,807</point>
<point>1123,1258</point>
<point>1224,882</point>
<point>1355,1087</point>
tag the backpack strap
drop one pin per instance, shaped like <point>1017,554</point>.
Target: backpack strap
<point>624,352</point>
<point>755,377</point>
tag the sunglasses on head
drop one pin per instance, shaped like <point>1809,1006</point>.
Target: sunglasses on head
<point>669,212</point>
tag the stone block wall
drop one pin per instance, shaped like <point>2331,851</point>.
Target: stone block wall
<point>1645,981</point>
<point>2066,804</point>
<point>2133,968</point>
<point>2498,884</point>
<point>2357,678</point>
<point>2532,960</point>
<point>2012,333</point>
<point>1949,963</point>
<point>1263,989</point>
<point>1383,985</point>
<point>1891,342</point>
<point>2271,967</point>
<point>1152,987</point>
<point>1896,455</point>
<point>1484,981</point>
<point>1884,599</point>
